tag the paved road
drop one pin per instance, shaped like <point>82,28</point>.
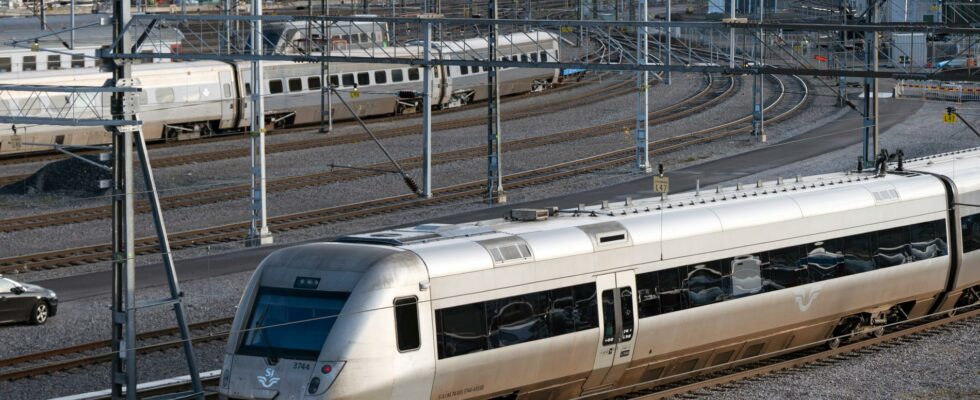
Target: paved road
<point>830,137</point>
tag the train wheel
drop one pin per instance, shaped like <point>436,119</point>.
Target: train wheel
<point>878,332</point>
<point>833,343</point>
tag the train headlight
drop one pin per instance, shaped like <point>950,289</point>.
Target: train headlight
<point>324,376</point>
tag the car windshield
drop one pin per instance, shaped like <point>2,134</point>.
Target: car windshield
<point>291,323</point>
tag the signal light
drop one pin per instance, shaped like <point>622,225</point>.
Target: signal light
<point>326,369</point>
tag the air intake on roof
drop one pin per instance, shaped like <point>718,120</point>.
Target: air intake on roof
<point>510,252</point>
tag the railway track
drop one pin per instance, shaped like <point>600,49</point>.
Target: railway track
<point>712,93</point>
<point>466,191</point>
<point>790,360</point>
<point>715,379</point>
<point>607,92</point>
<point>47,362</point>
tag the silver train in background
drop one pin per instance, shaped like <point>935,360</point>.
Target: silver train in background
<point>189,100</point>
<point>552,304</point>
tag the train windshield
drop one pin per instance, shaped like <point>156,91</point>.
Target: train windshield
<point>291,323</point>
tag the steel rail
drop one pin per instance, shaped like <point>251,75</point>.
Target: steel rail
<point>673,112</point>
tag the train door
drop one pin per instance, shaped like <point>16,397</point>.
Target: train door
<point>617,322</point>
<point>228,110</point>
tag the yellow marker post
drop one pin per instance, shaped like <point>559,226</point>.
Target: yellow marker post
<point>949,118</point>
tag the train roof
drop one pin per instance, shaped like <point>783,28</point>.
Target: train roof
<point>518,38</point>
<point>450,249</point>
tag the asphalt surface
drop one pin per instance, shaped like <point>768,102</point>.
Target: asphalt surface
<point>832,136</point>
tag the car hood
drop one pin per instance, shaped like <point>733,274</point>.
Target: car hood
<point>34,288</point>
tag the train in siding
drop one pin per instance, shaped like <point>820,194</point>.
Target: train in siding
<point>189,100</point>
<point>549,304</point>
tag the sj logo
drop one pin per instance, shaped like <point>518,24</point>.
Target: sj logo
<point>269,379</point>
<point>806,296</point>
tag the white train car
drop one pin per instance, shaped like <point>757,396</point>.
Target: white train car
<point>189,100</point>
<point>588,302</point>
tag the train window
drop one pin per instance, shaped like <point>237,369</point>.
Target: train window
<point>971,232</point>
<point>30,63</point>
<point>334,81</point>
<point>705,283</point>
<point>561,311</point>
<point>291,323</point>
<point>890,249</point>
<point>928,240</point>
<point>464,70</point>
<point>856,250</point>
<point>348,80</point>
<point>413,74</point>
<point>608,317</point>
<point>517,319</point>
<point>365,38</point>
<point>626,307</point>
<point>746,275</point>
<point>5,64</point>
<point>295,84</point>
<point>587,310</point>
<point>544,55</point>
<point>275,86</point>
<point>226,88</point>
<point>672,296</point>
<point>461,330</point>
<point>248,88</point>
<point>407,323</point>
<point>646,292</point>
<point>397,75</point>
<point>523,57</point>
<point>164,95</point>
<point>54,62</point>
<point>823,259</point>
<point>363,78</point>
<point>534,57</point>
<point>786,268</point>
<point>380,77</point>
<point>313,82</point>
<point>78,61</point>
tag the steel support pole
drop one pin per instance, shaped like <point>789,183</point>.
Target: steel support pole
<point>427,113</point>
<point>44,15</point>
<point>168,264</point>
<point>123,232</point>
<point>870,137</point>
<point>642,92</point>
<point>259,229</point>
<point>670,41</point>
<point>326,91</point>
<point>495,182</point>
<point>731,37</point>
<point>71,37</point>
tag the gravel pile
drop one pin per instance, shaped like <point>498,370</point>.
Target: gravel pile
<point>71,177</point>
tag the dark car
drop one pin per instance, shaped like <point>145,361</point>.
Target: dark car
<point>23,302</point>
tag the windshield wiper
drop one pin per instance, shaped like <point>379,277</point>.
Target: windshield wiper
<point>270,353</point>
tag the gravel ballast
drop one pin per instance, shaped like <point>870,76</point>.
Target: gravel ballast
<point>217,297</point>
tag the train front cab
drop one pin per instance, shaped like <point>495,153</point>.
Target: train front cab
<point>317,321</point>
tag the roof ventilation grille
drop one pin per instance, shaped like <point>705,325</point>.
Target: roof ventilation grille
<point>510,252</point>
<point>887,195</point>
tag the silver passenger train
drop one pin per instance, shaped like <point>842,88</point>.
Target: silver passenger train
<point>189,100</point>
<point>583,303</point>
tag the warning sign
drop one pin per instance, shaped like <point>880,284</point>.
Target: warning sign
<point>661,184</point>
<point>949,118</point>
